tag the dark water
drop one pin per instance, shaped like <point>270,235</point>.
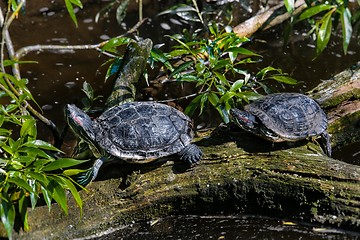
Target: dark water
<point>57,79</point>
<point>224,227</point>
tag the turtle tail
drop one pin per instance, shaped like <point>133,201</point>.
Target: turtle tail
<point>190,154</point>
<point>86,177</point>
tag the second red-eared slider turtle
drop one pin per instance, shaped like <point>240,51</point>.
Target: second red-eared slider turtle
<point>136,132</point>
<point>284,117</point>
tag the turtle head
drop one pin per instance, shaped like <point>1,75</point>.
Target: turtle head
<point>244,119</point>
<point>80,122</point>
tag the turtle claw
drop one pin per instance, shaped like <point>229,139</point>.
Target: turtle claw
<point>191,154</point>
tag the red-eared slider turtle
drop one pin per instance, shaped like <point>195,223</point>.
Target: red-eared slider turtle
<point>136,132</point>
<point>284,117</point>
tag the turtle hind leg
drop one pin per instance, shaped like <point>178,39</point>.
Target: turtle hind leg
<point>86,177</point>
<point>190,154</point>
<point>325,137</point>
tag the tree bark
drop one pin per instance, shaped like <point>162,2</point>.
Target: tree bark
<point>239,174</point>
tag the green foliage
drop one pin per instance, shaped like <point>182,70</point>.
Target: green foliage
<point>29,168</point>
<point>323,15</point>
<point>216,67</point>
<point>69,6</point>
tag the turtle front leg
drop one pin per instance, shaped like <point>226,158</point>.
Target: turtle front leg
<point>90,175</point>
<point>325,137</point>
<point>190,154</point>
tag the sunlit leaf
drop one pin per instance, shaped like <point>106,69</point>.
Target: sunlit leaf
<point>284,79</point>
<point>314,10</point>
<point>73,172</point>
<point>77,3</point>
<point>243,51</point>
<point>47,196</point>
<point>69,185</point>
<point>58,193</point>
<point>7,213</point>
<point>28,127</point>
<point>40,144</point>
<point>324,33</point>
<point>62,163</point>
<point>345,16</point>
<point>289,4</point>
<point>71,12</point>
<point>188,78</point>
<point>237,85</point>
<point>8,62</point>
<point>115,42</point>
<point>21,183</point>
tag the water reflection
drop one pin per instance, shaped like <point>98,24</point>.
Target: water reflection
<point>225,227</point>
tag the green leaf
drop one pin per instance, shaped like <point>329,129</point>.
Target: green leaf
<point>324,33</point>
<point>227,96</point>
<point>345,15</point>
<point>289,4</point>
<point>221,63</point>
<point>193,105</point>
<point>113,68</point>
<point>22,205</point>
<point>73,172</point>
<point>160,56</point>
<point>188,78</point>
<point>71,12</point>
<point>177,52</point>
<point>237,85</point>
<point>7,213</point>
<point>11,62</point>
<point>88,90</point>
<point>29,126</point>
<point>314,10</point>
<point>62,163</point>
<point>68,184</point>
<point>222,79</point>
<point>213,99</point>
<point>115,42</point>
<point>58,193</point>
<point>284,79</point>
<point>243,51</point>
<point>181,68</point>
<point>47,196</point>
<point>77,3</point>
<point>41,144</point>
<point>21,183</point>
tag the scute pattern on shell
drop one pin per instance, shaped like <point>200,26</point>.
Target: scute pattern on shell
<point>292,116</point>
<point>143,130</point>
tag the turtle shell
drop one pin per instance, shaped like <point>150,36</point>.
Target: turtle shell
<point>291,116</point>
<point>143,131</point>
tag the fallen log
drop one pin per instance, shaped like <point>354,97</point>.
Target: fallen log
<point>239,174</point>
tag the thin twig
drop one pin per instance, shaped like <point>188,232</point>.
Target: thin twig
<point>180,98</point>
<point>25,50</point>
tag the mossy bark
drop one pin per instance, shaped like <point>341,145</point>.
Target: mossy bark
<point>238,174</point>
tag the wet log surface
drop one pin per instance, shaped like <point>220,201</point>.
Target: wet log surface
<point>239,174</point>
